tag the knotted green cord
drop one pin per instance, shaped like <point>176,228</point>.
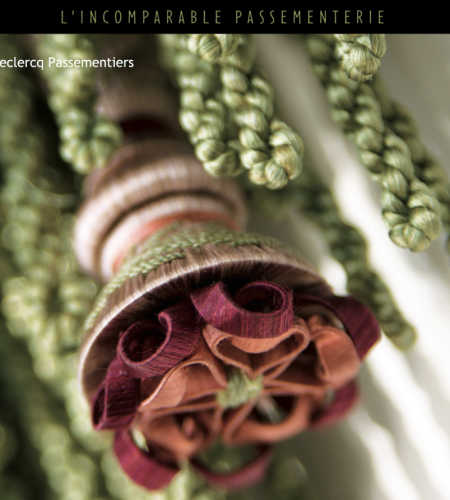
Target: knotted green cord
<point>427,168</point>
<point>313,198</point>
<point>227,110</point>
<point>410,210</point>
<point>202,115</point>
<point>88,140</point>
<point>360,55</point>
<point>212,47</point>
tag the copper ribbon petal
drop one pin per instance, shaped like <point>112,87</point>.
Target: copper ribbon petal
<point>257,356</point>
<point>182,436</point>
<point>149,348</point>
<point>200,375</point>
<point>245,317</point>
<point>337,358</point>
<point>240,429</point>
<point>358,320</point>
<point>144,469</point>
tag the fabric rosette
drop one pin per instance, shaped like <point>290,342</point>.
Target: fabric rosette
<point>203,332</point>
<point>209,353</point>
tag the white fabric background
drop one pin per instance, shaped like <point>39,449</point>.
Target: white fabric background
<point>396,445</point>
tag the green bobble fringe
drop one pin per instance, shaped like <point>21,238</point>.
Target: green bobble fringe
<point>410,210</point>
<point>88,140</point>
<point>227,110</point>
<point>360,55</point>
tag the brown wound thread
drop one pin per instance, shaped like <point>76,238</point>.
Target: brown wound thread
<point>146,231</point>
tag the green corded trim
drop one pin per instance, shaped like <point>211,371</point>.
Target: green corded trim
<point>427,168</point>
<point>240,389</point>
<point>45,304</point>
<point>212,47</point>
<point>227,110</point>
<point>88,140</point>
<point>410,210</point>
<point>270,150</point>
<point>360,55</point>
<point>202,115</point>
<point>169,244</point>
<point>314,198</point>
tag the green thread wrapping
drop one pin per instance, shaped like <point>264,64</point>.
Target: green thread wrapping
<point>227,110</point>
<point>360,55</point>
<point>88,140</point>
<point>427,168</point>
<point>171,243</point>
<point>313,197</point>
<point>240,389</point>
<point>410,210</point>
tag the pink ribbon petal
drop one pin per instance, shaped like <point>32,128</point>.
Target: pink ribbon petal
<point>258,310</point>
<point>143,468</point>
<point>358,320</point>
<point>149,348</point>
<point>117,399</point>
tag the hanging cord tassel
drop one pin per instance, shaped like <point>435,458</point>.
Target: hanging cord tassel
<point>229,113</point>
<point>410,210</point>
<point>360,55</point>
<point>314,199</point>
<point>203,116</point>
<point>427,168</point>
<point>87,139</point>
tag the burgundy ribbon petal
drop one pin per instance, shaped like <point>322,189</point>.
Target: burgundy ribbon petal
<point>117,399</point>
<point>358,320</point>
<point>149,348</point>
<point>141,467</point>
<point>245,477</point>
<point>344,399</point>
<point>244,316</point>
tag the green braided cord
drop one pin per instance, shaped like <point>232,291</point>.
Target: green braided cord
<point>87,140</point>
<point>240,389</point>
<point>227,110</point>
<point>360,55</point>
<point>314,198</point>
<point>212,47</point>
<point>202,115</point>
<point>410,210</point>
<point>270,150</point>
<point>171,243</point>
<point>427,168</point>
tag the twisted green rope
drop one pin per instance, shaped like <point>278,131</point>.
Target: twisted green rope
<point>360,55</point>
<point>212,47</point>
<point>427,168</point>
<point>88,140</point>
<point>227,110</point>
<point>202,115</point>
<point>314,199</point>
<point>410,210</point>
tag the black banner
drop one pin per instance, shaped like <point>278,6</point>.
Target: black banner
<point>225,17</point>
